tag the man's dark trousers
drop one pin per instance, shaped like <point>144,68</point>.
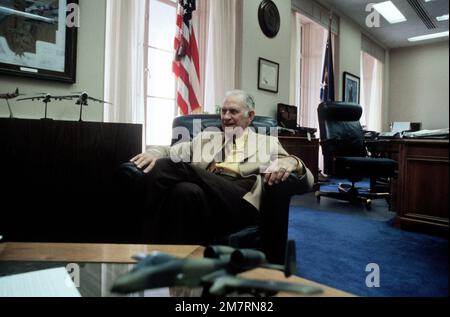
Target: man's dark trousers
<point>188,205</point>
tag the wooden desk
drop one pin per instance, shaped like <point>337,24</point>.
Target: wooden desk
<point>421,189</point>
<point>121,254</point>
<point>307,150</point>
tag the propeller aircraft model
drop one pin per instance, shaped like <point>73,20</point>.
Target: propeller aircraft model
<point>215,272</point>
<point>9,96</point>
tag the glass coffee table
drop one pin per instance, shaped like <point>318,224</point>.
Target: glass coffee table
<point>95,267</point>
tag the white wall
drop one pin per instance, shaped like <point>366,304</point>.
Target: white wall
<point>255,45</point>
<point>90,70</point>
<point>349,52</point>
<point>419,80</point>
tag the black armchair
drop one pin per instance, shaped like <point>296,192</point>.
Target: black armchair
<point>345,153</point>
<point>270,233</point>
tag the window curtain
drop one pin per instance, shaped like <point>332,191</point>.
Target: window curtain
<point>308,44</point>
<point>371,92</point>
<point>295,89</point>
<point>124,61</point>
<point>222,45</point>
<point>314,39</point>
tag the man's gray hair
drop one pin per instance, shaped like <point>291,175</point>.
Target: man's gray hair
<point>244,97</point>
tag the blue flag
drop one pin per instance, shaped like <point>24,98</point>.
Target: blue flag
<point>327,86</point>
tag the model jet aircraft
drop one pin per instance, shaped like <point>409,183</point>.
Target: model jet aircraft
<point>82,99</point>
<point>9,96</point>
<point>215,272</point>
<point>46,98</point>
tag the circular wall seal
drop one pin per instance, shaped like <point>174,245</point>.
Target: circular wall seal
<point>269,18</point>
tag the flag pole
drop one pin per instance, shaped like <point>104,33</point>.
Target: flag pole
<point>327,86</point>
<point>330,20</point>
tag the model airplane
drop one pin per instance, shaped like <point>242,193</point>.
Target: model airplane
<point>82,99</point>
<point>215,272</point>
<point>46,98</point>
<point>27,15</point>
<point>9,96</point>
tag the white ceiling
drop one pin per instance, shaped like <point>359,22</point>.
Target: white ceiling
<point>395,35</point>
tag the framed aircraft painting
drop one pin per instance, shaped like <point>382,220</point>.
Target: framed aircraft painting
<point>38,39</point>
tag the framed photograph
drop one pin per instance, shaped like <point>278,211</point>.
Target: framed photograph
<point>268,75</point>
<point>36,41</point>
<point>351,88</point>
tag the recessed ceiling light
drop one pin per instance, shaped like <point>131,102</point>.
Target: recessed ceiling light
<point>390,12</point>
<point>442,18</point>
<point>428,37</point>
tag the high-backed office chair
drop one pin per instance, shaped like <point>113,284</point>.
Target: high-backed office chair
<point>345,154</point>
<point>270,234</point>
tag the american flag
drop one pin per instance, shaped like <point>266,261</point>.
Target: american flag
<point>186,65</point>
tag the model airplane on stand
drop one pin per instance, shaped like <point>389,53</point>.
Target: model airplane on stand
<point>215,272</point>
<point>82,99</point>
<point>9,96</point>
<point>46,98</point>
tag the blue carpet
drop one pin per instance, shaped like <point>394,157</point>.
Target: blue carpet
<point>332,185</point>
<point>334,249</point>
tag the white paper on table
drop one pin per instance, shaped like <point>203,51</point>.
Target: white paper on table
<point>47,283</point>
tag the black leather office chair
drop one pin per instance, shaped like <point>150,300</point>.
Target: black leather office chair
<point>270,234</point>
<point>345,154</point>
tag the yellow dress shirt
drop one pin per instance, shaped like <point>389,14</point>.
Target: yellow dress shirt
<point>235,156</point>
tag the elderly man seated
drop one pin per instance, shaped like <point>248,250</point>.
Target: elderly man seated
<point>199,191</point>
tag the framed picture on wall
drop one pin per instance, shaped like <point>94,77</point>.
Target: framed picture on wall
<point>268,75</point>
<point>38,39</point>
<point>351,88</point>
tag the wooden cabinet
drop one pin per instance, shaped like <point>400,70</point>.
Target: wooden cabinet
<point>305,149</point>
<point>56,178</point>
<point>422,185</point>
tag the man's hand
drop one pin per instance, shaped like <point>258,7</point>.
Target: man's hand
<point>280,170</point>
<point>145,160</point>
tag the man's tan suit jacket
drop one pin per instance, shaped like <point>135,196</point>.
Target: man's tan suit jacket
<point>260,152</point>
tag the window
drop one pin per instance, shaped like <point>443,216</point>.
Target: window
<point>160,80</point>
<point>371,91</point>
<point>139,52</point>
<point>309,39</point>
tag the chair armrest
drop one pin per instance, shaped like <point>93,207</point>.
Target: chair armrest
<point>274,216</point>
<point>128,181</point>
<point>129,172</point>
<point>292,186</point>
